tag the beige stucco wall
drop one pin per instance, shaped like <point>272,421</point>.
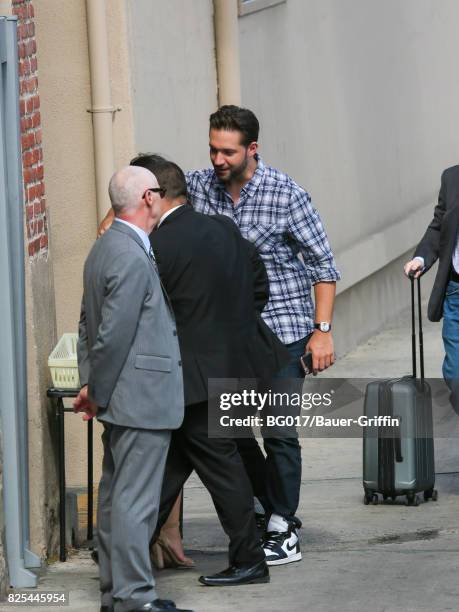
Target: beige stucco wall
<point>41,337</point>
<point>69,172</point>
<point>67,146</point>
<point>174,87</point>
<point>65,91</point>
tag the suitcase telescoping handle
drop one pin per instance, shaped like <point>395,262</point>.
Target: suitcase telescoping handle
<point>413,330</point>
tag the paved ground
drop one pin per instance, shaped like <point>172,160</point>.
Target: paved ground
<point>381,558</point>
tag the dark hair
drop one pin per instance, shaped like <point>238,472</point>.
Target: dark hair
<point>234,118</point>
<point>170,176</point>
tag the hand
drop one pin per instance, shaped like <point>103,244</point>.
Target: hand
<point>323,354</point>
<point>105,223</point>
<point>415,265</point>
<point>82,403</point>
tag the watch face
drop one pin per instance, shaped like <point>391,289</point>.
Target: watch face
<point>324,326</point>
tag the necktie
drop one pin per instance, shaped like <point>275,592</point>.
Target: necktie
<point>152,258</point>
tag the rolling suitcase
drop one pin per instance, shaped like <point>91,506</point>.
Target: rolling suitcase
<point>398,459</point>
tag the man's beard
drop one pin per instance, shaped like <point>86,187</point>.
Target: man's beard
<point>237,174</point>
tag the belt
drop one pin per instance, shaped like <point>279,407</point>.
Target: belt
<point>453,275</point>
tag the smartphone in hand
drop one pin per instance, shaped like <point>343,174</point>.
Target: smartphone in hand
<point>306,363</point>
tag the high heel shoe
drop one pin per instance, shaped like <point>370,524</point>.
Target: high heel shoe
<point>169,556</point>
<point>156,556</point>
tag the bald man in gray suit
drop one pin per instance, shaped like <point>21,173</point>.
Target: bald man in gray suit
<point>130,371</point>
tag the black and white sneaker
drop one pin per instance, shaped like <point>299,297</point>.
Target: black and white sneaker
<point>282,547</point>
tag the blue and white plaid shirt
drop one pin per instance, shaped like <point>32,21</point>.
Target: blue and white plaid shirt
<point>276,215</point>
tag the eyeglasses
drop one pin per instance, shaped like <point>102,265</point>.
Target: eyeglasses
<point>160,190</point>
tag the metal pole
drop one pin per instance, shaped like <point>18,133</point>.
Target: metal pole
<point>13,393</point>
<point>90,482</point>
<point>60,417</point>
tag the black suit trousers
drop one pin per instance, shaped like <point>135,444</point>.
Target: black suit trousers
<point>218,464</point>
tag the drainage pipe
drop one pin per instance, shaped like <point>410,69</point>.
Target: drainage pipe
<point>227,51</point>
<point>101,109</point>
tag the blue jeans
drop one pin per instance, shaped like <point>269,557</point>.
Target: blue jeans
<point>283,455</point>
<point>276,480</point>
<point>450,335</point>
<point>293,369</point>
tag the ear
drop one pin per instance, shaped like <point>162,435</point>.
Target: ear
<point>252,149</point>
<point>148,199</point>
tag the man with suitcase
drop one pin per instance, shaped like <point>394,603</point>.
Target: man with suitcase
<point>440,241</point>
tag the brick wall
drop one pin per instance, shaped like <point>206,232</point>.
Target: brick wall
<point>32,153</point>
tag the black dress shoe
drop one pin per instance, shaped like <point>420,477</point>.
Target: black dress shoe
<point>253,574</point>
<point>106,608</point>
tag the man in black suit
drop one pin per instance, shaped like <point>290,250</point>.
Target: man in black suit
<point>441,242</point>
<point>214,279</point>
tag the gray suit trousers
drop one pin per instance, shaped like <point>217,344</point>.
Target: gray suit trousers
<point>129,494</point>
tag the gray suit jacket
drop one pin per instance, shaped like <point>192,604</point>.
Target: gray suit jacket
<point>128,352</point>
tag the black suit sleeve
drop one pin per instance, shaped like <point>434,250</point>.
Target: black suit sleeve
<point>429,246</point>
<point>260,277</point>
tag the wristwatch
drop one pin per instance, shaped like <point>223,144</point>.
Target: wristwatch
<point>324,326</point>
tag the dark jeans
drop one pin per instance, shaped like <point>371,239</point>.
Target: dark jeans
<point>450,335</point>
<point>276,480</point>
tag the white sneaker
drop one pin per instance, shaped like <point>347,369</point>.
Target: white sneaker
<point>282,547</point>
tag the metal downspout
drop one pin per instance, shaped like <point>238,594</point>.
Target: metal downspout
<point>13,373</point>
<point>102,109</point>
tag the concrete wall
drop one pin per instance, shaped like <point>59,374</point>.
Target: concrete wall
<point>174,87</point>
<point>350,100</point>
<point>357,101</point>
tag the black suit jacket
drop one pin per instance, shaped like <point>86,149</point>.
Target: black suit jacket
<point>439,240</point>
<point>216,281</point>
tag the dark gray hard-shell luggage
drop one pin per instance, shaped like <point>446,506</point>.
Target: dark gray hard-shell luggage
<point>399,459</point>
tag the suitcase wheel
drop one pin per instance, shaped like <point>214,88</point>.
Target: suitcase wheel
<point>431,494</point>
<point>370,498</point>
<point>412,499</point>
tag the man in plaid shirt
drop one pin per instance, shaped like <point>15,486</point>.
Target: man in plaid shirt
<point>277,215</point>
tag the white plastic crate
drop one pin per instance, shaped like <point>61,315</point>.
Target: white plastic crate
<point>63,363</point>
